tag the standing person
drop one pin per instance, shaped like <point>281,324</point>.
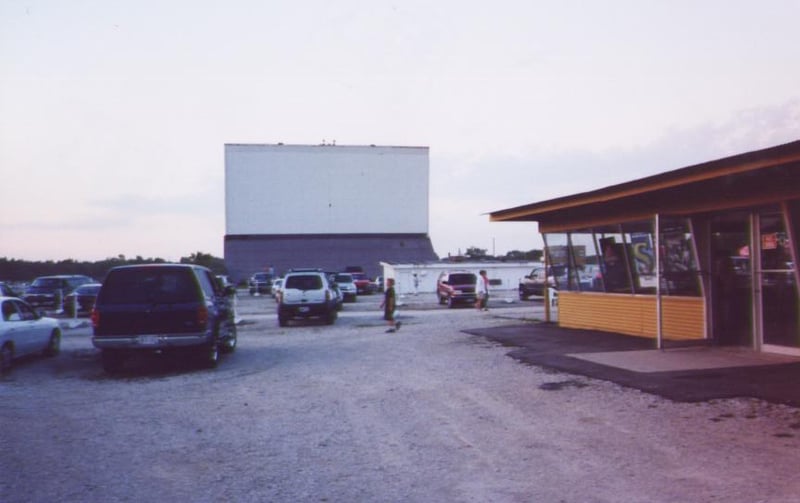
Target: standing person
<point>389,306</point>
<point>482,289</point>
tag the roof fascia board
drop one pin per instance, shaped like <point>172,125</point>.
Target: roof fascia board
<point>684,176</point>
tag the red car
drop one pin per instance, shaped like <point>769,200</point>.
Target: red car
<point>363,284</point>
<point>456,288</point>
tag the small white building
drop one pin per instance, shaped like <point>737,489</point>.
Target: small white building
<point>504,277</point>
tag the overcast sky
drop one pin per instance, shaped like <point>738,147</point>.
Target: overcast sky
<point>114,113</point>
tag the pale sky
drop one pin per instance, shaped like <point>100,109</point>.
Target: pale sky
<point>114,113</point>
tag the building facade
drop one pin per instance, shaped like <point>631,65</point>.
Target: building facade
<point>707,253</point>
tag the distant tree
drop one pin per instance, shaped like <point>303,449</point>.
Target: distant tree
<point>217,265</point>
<point>23,270</point>
<point>474,252</point>
<point>532,255</point>
<point>515,255</point>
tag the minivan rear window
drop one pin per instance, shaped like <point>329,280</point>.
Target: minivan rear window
<point>148,285</point>
<point>462,279</point>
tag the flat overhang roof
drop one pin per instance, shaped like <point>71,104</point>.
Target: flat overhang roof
<point>753,178</point>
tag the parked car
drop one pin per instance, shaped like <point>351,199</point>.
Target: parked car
<point>23,331</point>
<point>347,286</point>
<point>534,283</point>
<point>83,298</point>
<point>337,293</point>
<point>306,293</point>
<point>591,278</point>
<point>457,287</point>
<point>260,283</point>
<point>45,290</point>
<point>276,287</point>
<point>7,291</point>
<point>363,284</point>
<point>378,283</point>
<point>163,308</point>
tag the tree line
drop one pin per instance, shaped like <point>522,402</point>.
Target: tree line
<point>16,270</point>
<point>475,253</point>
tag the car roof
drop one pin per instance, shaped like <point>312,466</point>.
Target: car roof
<point>140,266</point>
<point>63,276</point>
<point>6,297</point>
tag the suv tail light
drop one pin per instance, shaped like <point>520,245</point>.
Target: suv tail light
<point>327,295</point>
<point>202,316</point>
<point>95,317</point>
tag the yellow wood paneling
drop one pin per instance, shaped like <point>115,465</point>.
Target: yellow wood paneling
<point>682,317</point>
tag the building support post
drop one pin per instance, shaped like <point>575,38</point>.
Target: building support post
<point>546,287</point>
<point>659,334</point>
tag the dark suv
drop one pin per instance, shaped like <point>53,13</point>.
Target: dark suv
<point>45,290</point>
<point>535,282</point>
<point>163,308</point>
<point>456,288</point>
<point>260,283</point>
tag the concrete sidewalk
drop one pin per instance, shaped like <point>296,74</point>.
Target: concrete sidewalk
<point>686,374</point>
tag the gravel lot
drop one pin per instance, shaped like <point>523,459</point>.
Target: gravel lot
<point>349,413</point>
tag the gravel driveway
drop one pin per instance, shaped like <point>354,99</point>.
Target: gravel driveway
<point>347,413</point>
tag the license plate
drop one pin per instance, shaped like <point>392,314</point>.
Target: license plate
<point>304,309</point>
<point>147,340</point>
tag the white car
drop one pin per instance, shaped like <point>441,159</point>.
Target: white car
<point>347,286</point>
<point>276,287</point>
<point>307,293</point>
<point>23,332</point>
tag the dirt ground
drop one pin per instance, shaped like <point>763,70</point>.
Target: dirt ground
<point>347,412</point>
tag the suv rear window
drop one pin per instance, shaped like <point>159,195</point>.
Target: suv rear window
<point>149,285</point>
<point>462,279</point>
<point>304,282</point>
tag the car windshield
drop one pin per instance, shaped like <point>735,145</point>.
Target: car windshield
<point>344,278</point>
<point>88,289</point>
<point>46,282</point>
<point>149,285</point>
<point>261,276</point>
<point>462,279</point>
<point>304,282</point>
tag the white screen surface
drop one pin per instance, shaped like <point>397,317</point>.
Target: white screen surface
<point>302,189</point>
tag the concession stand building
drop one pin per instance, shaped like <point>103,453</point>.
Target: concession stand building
<point>706,253</point>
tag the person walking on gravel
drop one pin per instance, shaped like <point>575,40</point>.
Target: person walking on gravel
<point>482,290</point>
<point>389,306</point>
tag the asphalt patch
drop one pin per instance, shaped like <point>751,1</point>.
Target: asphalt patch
<point>547,346</point>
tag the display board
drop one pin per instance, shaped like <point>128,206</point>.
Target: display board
<point>325,189</point>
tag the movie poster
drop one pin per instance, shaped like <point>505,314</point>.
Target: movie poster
<point>644,260</point>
